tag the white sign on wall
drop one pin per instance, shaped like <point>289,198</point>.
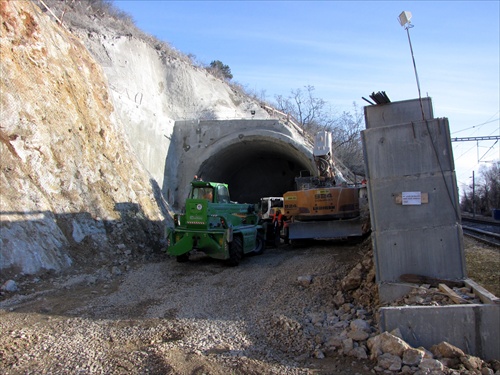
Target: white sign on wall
<point>411,198</point>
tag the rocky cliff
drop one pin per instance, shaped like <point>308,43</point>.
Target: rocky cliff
<point>85,125</point>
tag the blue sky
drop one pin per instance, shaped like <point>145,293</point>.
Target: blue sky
<point>349,49</point>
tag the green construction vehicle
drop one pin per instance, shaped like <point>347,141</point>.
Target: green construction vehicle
<point>214,225</point>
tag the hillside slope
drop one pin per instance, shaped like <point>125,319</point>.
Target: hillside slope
<point>151,84</point>
<point>84,138</point>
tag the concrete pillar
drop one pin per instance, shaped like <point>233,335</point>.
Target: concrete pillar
<point>413,196</point>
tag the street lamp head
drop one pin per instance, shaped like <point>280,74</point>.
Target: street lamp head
<point>404,19</point>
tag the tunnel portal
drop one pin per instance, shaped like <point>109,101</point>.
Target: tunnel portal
<point>257,168</point>
<point>256,158</point>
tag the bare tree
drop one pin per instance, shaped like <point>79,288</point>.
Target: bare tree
<point>314,114</point>
<point>310,112</point>
<point>485,195</point>
<point>346,133</point>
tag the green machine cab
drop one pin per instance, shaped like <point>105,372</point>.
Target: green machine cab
<point>213,224</point>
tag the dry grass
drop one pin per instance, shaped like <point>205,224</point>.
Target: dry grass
<point>483,264</point>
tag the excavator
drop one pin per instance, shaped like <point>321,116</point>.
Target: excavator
<point>329,205</point>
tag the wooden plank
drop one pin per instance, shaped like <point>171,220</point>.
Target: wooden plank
<point>451,293</point>
<point>483,294</point>
<point>432,281</point>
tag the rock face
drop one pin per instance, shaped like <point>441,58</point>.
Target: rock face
<point>84,138</point>
<point>151,90</point>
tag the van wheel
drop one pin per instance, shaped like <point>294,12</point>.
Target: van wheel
<point>269,232</point>
<point>260,244</point>
<point>235,251</point>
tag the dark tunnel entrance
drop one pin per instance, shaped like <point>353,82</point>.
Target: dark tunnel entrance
<point>255,168</point>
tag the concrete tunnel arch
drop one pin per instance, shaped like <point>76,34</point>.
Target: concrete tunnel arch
<point>257,166</point>
<point>256,158</point>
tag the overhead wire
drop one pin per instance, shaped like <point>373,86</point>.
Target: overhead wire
<point>494,131</point>
<point>477,126</point>
<point>486,153</point>
<point>456,158</point>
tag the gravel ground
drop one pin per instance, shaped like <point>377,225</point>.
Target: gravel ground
<point>148,314</point>
<point>157,316</point>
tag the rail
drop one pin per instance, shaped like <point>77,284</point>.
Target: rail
<point>486,231</point>
<point>289,120</point>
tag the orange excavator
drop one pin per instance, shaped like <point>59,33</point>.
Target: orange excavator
<point>326,206</point>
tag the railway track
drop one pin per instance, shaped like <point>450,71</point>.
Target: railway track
<point>487,231</point>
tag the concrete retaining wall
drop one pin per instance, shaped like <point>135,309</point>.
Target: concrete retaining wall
<point>398,112</point>
<point>408,149</point>
<point>422,251</point>
<point>416,227</point>
<point>422,235</point>
<point>473,328</point>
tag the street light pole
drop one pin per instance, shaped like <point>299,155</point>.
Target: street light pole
<point>404,20</point>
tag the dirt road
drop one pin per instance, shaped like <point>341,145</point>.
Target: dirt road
<point>270,315</point>
<point>278,313</point>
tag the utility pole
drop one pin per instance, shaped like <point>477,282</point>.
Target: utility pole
<point>473,195</point>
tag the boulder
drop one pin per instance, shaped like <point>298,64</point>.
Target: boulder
<point>431,365</point>
<point>389,362</point>
<point>386,343</point>
<point>446,350</point>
